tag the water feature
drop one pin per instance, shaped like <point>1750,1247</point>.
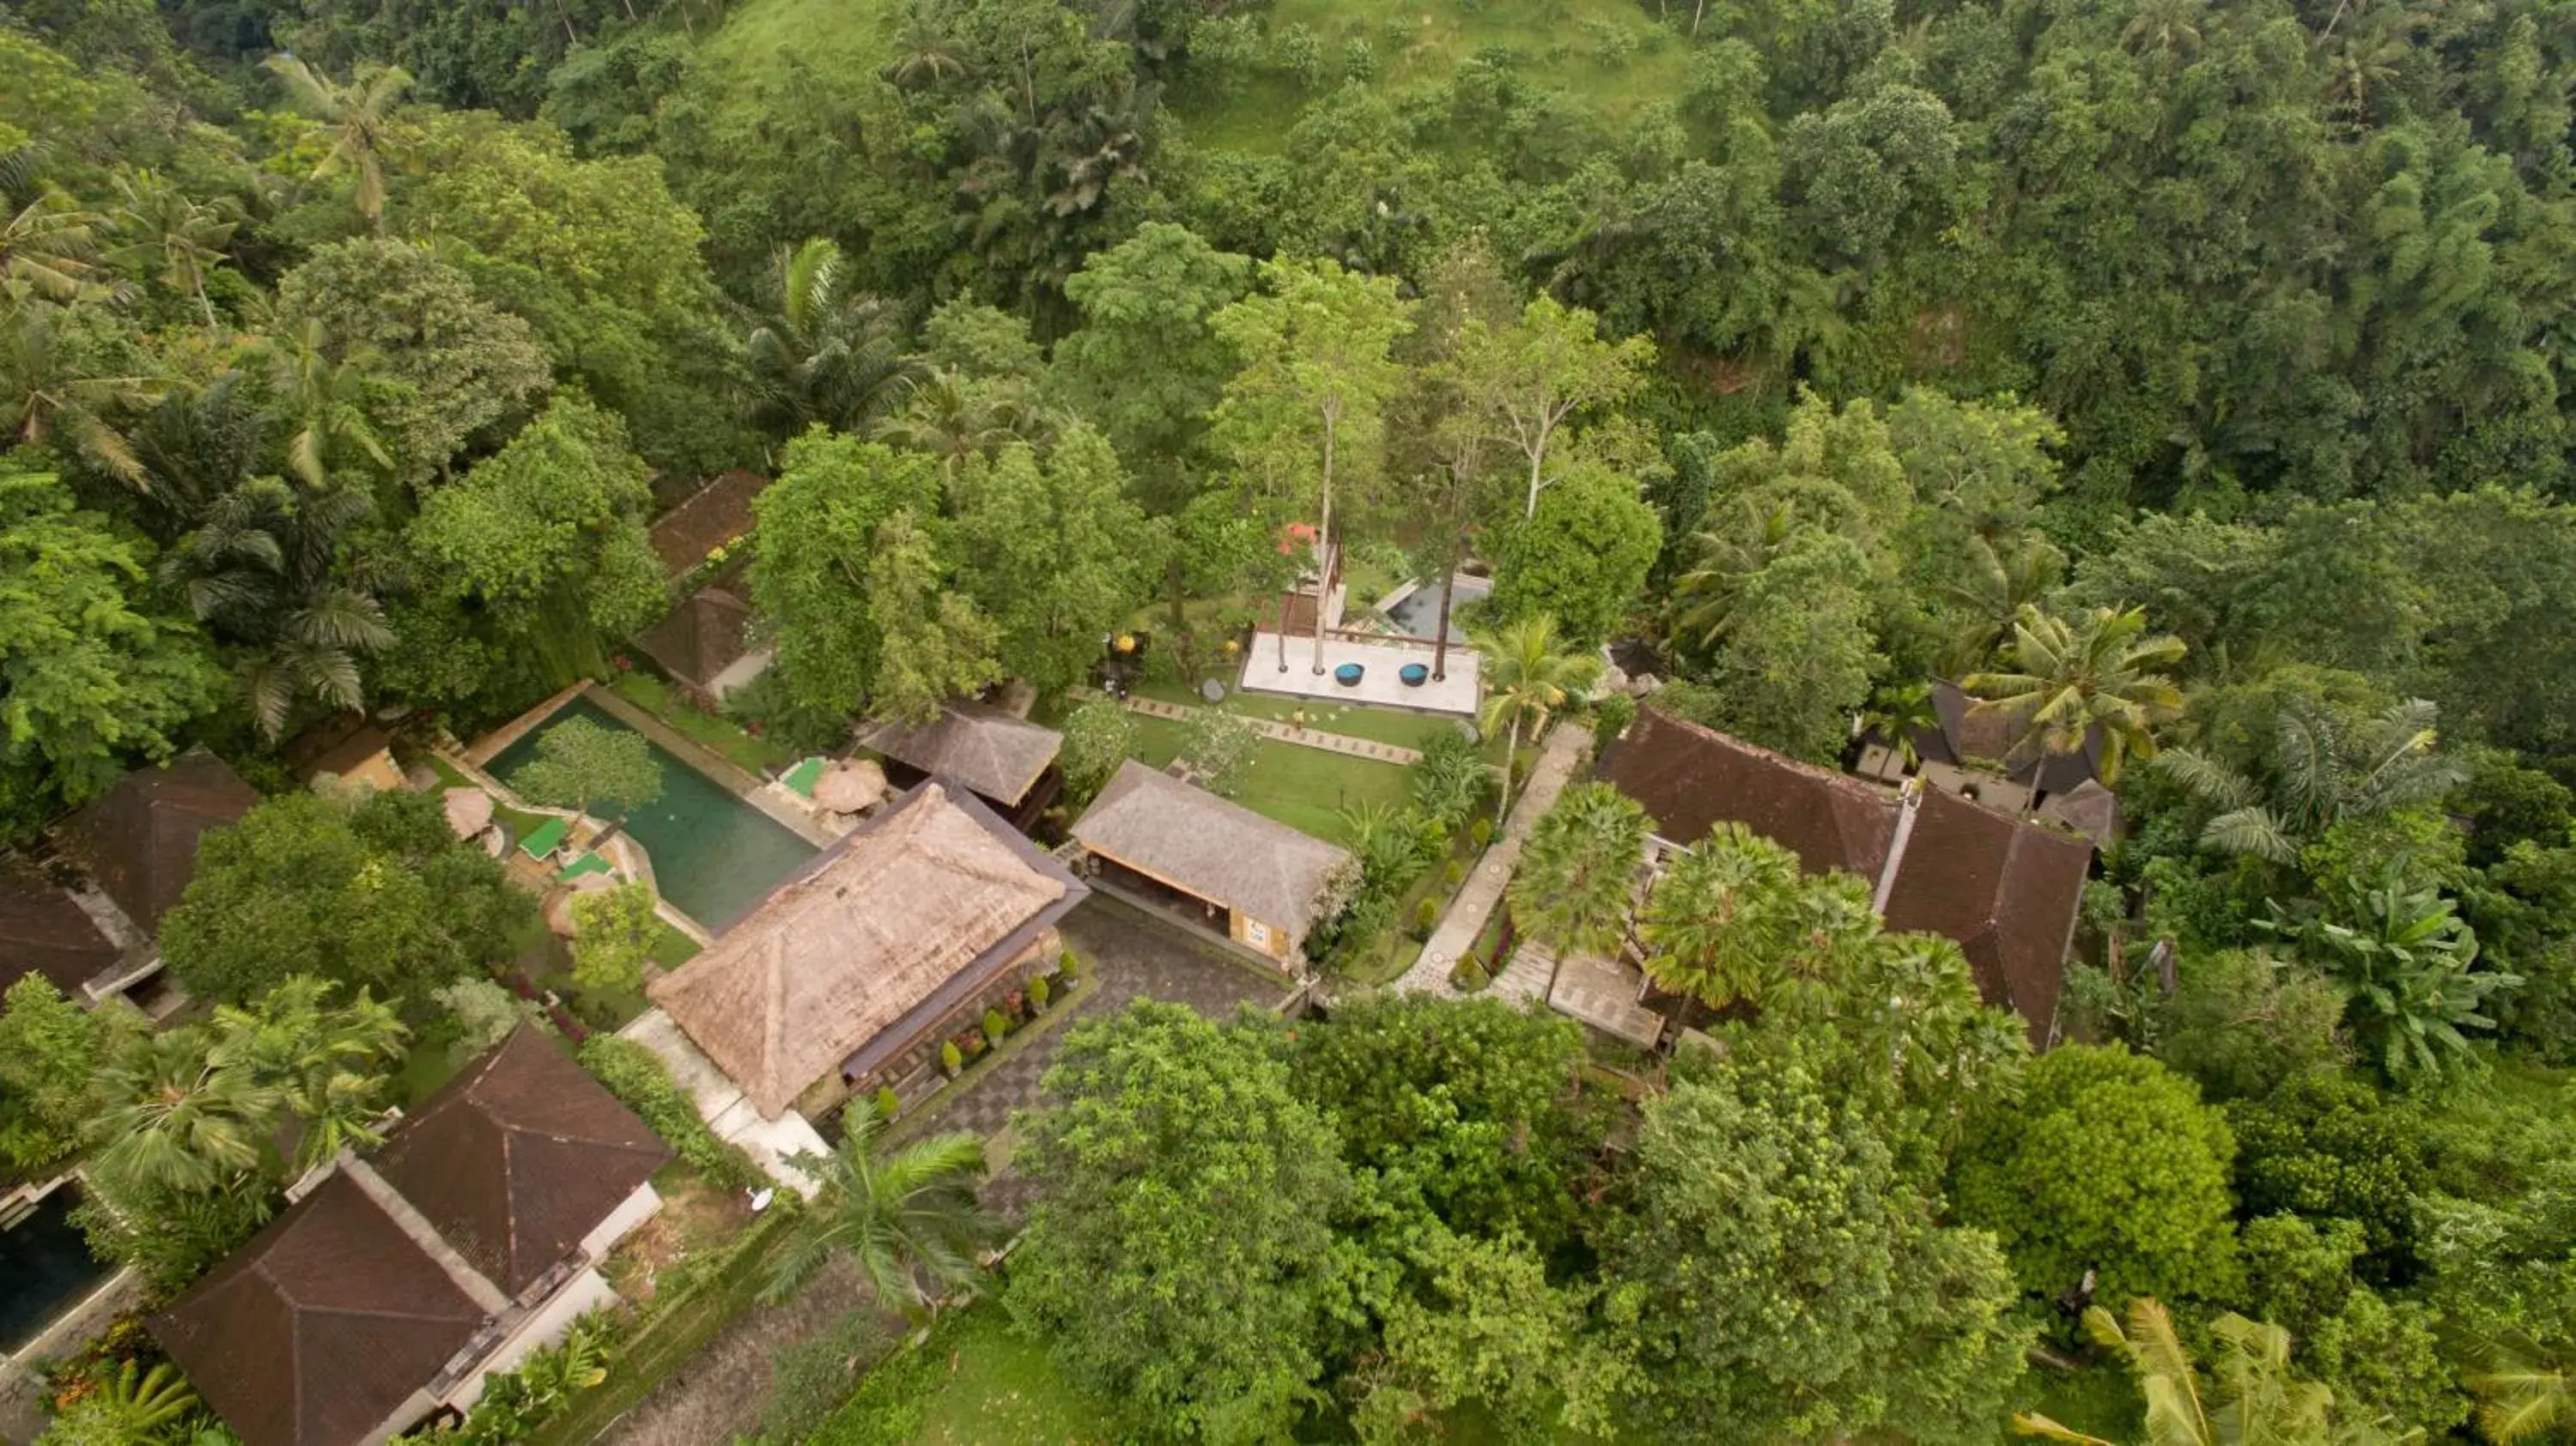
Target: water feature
<point>45,1268</point>
<point>1417,611</point>
<point>714,854</point>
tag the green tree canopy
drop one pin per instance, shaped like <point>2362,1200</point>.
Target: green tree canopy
<point>1582,556</point>
<point>580,763</point>
<point>1055,554</point>
<point>818,529</point>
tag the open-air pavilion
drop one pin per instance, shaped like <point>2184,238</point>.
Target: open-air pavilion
<point>1381,680</point>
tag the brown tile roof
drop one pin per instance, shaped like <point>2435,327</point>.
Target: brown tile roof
<point>43,932</point>
<point>2006,890</point>
<point>708,519</point>
<point>988,750</point>
<point>518,1158</point>
<point>138,842</point>
<point>706,633</point>
<point>1970,734</point>
<point>1690,778</point>
<point>875,939</point>
<point>1212,847</point>
<point>319,1330</point>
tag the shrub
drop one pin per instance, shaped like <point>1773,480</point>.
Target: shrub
<point>1038,992</point>
<point>1359,62</point>
<point>1611,717</point>
<point>1468,976</point>
<point>637,1077</point>
<point>1455,874</point>
<point>1426,917</point>
<point>484,1012</point>
<point>613,935</point>
<point>995,1026</point>
<point>1481,832</point>
<point>888,1104</point>
<point>1098,736</point>
<point>810,1378</point>
<point>950,1059</point>
<point>1070,966</point>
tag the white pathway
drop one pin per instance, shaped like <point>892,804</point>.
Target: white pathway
<point>1527,978</point>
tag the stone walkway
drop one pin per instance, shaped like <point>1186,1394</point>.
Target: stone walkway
<point>1477,898</point>
<point>1314,738</point>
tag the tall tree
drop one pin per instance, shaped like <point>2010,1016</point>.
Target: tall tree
<point>1146,366</point>
<point>934,643</point>
<point>172,234</point>
<point>1055,554</point>
<point>1529,379</point>
<point>2100,671</point>
<point>1583,557</point>
<point>823,351</point>
<point>580,763</point>
<point>1317,371</point>
<point>810,576</point>
<point>359,119</point>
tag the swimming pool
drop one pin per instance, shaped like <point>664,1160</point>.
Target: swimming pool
<point>45,1268</point>
<point>714,855</point>
<point>1417,611</point>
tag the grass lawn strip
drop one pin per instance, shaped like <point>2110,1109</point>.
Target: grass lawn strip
<point>1300,787</point>
<point>755,756</point>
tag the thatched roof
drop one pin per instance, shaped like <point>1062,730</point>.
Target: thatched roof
<point>468,809</point>
<point>1211,847</point>
<point>711,517</point>
<point>517,1159</point>
<point>988,750</point>
<point>873,941</point>
<point>851,786</point>
<point>138,842</point>
<point>43,932</point>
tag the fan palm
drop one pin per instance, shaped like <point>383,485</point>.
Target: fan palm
<point>168,231</point>
<point>907,1215</point>
<point>2101,671</point>
<point>2318,774</point>
<point>824,353</point>
<point>189,1117</point>
<point>1577,880</point>
<point>1719,919</point>
<point>1528,678</point>
<point>358,118</point>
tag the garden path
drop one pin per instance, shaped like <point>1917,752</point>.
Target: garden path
<point>1476,899</point>
<point>1272,728</point>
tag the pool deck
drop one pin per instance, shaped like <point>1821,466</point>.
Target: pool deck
<point>1456,695</point>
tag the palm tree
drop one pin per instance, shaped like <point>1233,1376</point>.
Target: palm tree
<point>899,1218</point>
<point>953,418</point>
<point>358,117</point>
<point>2319,773</point>
<point>925,50</point>
<point>823,353</point>
<point>1577,880</point>
<point>324,1060</point>
<point>1719,919</point>
<point>1748,538</point>
<point>2102,671</point>
<point>134,1405</point>
<point>320,398</point>
<point>1527,679</point>
<point>2522,1395</point>
<point>172,232</point>
<point>1898,712</point>
<point>189,1118</point>
<point>1999,583</point>
<point>47,249</point>
<point>2171,28</point>
<point>48,390</point>
<point>2250,1400</point>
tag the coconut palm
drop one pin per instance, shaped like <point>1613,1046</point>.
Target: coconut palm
<point>2522,1396</point>
<point>1744,539</point>
<point>2319,773</point>
<point>50,391</point>
<point>48,249</point>
<point>358,117</point>
<point>320,399</point>
<point>325,1060</point>
<point>1577,880</point>
<point>1720,918</point>
<point>171,233</point>
<point>907,1215</point>
<point>1898,712</point>
<point>926,51</point>
<point>954,418</point>
<point>2100,671</point>
<point>823,353</point>
<point>1998,584</point>
<point>2249,1397</point>
<point>1528,678</point>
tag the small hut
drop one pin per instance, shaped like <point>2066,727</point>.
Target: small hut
<point>1205,858</point>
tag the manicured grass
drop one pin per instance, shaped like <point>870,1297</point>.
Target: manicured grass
<point>1377,725</point>
<point>1304,788</point>
<point>752,755</point>
<point>671,948</point>
<point>971,1384</point>
<point>757,38</point>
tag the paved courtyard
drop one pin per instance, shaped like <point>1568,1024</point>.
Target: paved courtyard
<point>1132,955</point>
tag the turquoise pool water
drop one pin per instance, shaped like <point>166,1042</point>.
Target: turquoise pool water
<point>713,854</point>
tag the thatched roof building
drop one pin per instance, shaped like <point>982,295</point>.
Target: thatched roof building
<point>867,949</point>
<point>1001,757</point>
<point>1270,880</point>
<point>703,636</point>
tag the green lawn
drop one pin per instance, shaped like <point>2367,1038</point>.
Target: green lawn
<point>971,1384</point>
<point>751,755</point>
<point>1304,788</point>
<point>1377,725</point>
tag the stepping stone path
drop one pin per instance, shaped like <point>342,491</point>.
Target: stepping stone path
<point>1315,738</point>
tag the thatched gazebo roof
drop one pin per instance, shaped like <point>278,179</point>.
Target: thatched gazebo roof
<point>851,787</point>
<point>469,810</point>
